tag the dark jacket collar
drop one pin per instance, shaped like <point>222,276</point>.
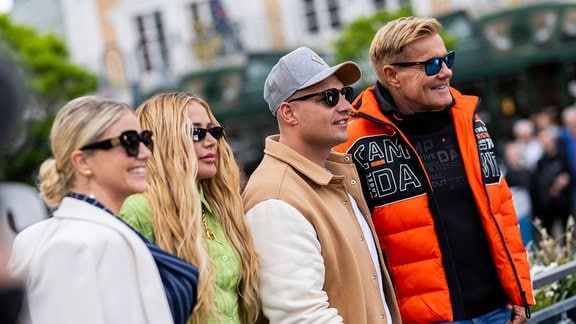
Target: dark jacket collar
<point>388,106</point>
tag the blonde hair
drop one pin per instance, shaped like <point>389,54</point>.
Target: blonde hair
<point>223,194</point>
<point>390,40</point>
<point>79,122</point>
<point>177,211</point>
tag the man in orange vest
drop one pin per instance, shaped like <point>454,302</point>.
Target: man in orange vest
<point>441,207</point>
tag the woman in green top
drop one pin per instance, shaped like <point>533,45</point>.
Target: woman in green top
<point>193,210</point>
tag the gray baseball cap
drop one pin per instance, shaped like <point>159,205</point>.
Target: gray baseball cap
<point>301,69</point>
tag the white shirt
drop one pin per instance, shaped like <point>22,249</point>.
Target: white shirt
<point>373,252</point>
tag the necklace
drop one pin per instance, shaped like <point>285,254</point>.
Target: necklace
<point>209,234</point>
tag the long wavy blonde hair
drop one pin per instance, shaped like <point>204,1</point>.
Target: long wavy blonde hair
<point>173,194</point>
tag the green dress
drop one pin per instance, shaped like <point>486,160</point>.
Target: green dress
<point>137,212</point>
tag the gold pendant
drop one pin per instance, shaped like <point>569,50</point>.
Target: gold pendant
<point>209,234</point>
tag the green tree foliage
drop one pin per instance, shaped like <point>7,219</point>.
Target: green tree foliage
<point>49,80</point>
<point>354,40</point>
<point>45,62</point>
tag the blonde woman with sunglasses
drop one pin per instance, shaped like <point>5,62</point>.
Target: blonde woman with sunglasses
<point>193,208</point>
<point>84,265</point>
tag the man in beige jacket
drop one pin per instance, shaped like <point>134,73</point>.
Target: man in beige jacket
<point>320,261</point>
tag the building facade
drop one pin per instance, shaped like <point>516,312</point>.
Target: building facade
<point>137,46</point>
<point>218,49</point>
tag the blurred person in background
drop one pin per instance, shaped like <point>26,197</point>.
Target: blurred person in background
<point>525,137</point>
<point>551,181</point>
<point>519,179</point>
<point>547,118</point>
<point>193,208</point>
<point>567,144</point>
<point>12,102</point>
<point>11,105</point>
<point>515,172</point>
<point>84,265</point>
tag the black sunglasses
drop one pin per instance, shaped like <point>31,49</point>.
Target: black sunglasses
<point>433,65</point>
<point>199,134</point>
<point>331,96</point>
<point>130,141</point>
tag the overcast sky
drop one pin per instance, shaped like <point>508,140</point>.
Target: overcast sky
<point>5,5</point>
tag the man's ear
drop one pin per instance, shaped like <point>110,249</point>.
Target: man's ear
<point>287,113</point>
<point>390,76</point>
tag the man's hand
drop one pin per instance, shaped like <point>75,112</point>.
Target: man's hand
<point>518,315</point>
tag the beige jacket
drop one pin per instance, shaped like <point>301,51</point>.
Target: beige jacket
<point>315,262</point>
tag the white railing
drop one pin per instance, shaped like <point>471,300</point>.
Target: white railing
<point>561,307</point>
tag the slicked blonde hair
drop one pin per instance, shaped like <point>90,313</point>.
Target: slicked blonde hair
<point>390,40</point>
<point>177,211</point>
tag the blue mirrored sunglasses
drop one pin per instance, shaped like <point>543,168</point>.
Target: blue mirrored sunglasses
<point>433,65</point>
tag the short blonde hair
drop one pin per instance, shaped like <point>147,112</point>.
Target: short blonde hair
<point>390,40</point>
<point>79,122</point>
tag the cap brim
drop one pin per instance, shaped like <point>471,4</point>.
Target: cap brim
<point>347,72</point>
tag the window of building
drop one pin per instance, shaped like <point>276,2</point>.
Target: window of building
<point>194,11</point>
<point>499,37</point>
<point>334,12</point>
<point>379,4</point>
<point>152,47</point>
<point>311,16</point>
<point>569,24</point>
<point>215,33</point>
<point>543,24</point>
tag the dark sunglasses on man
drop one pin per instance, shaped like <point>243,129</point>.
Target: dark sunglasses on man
<point>199,134</point>
<point>331,96</point>
<point>130,141</point>
<point>433,65</point>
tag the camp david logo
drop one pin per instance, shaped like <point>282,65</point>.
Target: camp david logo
<point>383,164</point>
<point>490,169</point>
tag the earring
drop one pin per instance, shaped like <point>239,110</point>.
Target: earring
<point>88,172</point>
